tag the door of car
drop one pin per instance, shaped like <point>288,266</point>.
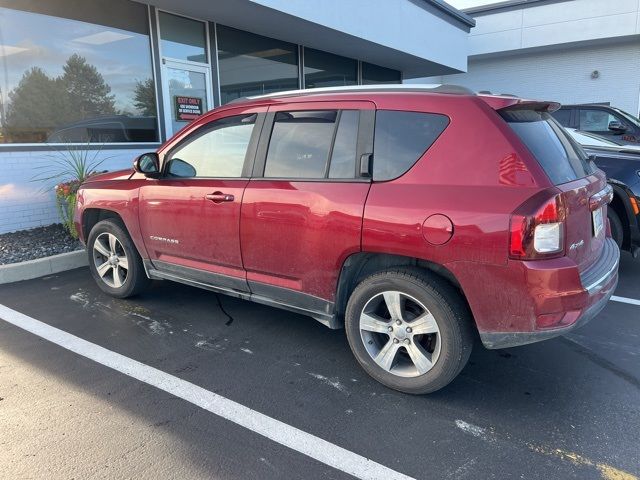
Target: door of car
<point>302,211</point>
<point>190,218</point>
<point>598,121</point>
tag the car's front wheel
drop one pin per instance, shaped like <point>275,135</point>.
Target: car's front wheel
<point>114,261</point>
<point>409,330</point>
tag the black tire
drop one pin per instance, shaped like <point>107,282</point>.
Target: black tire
<point>135,280</point>
<point>617,230</point>
<point>441,300</point>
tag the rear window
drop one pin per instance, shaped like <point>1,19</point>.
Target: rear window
<point>563,116</point>
<point>401,138</point>
<point>561,157</point>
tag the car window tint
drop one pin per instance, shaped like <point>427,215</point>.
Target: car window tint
<point>401,138</point>
<point>219,149</point>
<point>300,144</point>
<point>595,120</point>
<point>343,157</point>
<point>563,116</point>
<point>560,157</point>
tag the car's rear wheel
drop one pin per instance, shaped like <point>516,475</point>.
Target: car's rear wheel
<point>409,330</point>
<point>617,230</point>
<point>114,261</point>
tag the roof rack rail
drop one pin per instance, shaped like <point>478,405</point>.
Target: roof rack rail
<point>407,87</point>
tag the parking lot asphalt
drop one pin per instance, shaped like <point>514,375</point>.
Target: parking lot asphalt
<point>564,408</point>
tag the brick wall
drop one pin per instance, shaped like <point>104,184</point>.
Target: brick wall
<point>25,203</point>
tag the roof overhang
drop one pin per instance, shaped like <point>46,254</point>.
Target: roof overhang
<point>418,37</point>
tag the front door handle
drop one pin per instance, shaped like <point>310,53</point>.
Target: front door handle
<point>219,197</point>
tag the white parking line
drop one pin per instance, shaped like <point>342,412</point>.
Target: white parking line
<point>630,301</point>
<point>298,440</point>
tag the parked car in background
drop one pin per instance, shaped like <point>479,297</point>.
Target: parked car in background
<point>621,163</point>
<point>603,120</point>
<point>415,217</point>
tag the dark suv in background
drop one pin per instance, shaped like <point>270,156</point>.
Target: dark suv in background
<point>604,120</point>
<point>621,163</point>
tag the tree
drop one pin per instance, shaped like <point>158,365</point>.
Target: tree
<point>90,94</point>
<point>144,97</point>
<point>37,104</point>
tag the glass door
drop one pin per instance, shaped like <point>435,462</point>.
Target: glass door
<point>187,93</point>
<point>186,74</point>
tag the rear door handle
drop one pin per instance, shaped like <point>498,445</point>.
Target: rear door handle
<point>219,197</point>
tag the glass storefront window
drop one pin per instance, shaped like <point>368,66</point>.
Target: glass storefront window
<point>374,74</point>
<point>182,38</point>
<point>250,64</point>
<point>323,69</point>
<point>74,81</point>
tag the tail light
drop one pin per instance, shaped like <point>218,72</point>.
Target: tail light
<point>537,228</point>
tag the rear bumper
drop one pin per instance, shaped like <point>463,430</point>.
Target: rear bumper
<point>598,284</point>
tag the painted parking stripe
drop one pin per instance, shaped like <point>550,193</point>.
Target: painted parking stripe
<point>298,440</point>
<point>630,301</point>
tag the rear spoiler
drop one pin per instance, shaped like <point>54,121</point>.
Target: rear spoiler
<point>510,103</point>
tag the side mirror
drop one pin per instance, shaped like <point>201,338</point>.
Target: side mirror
<point>617,127</point>
<point>148,164</point>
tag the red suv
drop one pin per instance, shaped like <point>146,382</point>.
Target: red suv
<point>412,216</point>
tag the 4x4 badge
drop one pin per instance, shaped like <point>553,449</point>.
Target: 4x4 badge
<point>574,246</point>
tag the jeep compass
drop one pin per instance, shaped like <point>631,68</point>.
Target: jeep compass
<point>416,217</point>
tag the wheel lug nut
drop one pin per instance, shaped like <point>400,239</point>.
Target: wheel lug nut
<point>398,322</point>
<point>390,329</point>
<point>409,330</point>
<point>407,341</point>
<point>395,340</point>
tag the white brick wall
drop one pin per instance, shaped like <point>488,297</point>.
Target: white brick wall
<point>563,75</point>
<point>25,203</point>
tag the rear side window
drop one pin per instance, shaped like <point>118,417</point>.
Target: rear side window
<point>563,116</point>
<point>401,138</point>
<point>559,156</point>
<point>313,144</point>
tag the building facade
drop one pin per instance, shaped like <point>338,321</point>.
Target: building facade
<point>106,81</point>
<point>572,51</point>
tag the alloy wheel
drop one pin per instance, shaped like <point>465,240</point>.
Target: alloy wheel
<point>400,334</point>
<point>110,260</point>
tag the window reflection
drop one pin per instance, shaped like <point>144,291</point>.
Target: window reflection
<point>323,69</point>
<point>250,64</point>
<point>182,38</point>
<point>218,151</point>
<point>72,81</point>
<point>374,74</point>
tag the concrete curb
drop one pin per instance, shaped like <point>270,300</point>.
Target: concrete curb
<point>16,272</point>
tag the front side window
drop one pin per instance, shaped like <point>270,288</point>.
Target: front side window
<point>66,80</point>
<point>218,150</point>
<point>401,138</point>
<point>313,144</point>
<point>596,120</point>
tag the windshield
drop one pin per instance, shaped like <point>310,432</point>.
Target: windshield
<point>628,117</point>
<point>559,155</point>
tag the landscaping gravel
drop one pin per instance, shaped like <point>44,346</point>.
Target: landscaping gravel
<point>36,243</point>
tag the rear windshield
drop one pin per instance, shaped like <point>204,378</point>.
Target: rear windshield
<point>559,155</point>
